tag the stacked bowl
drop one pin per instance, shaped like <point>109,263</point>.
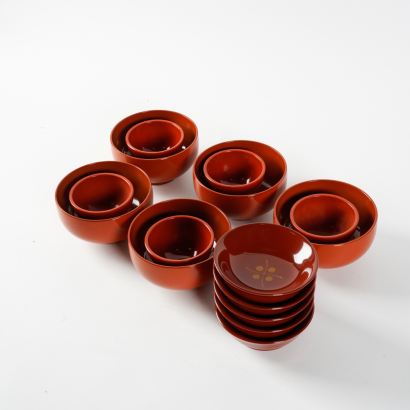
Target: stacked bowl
<point>264,284</point>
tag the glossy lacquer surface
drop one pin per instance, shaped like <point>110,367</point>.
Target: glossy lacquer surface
<point>159,170</point>
<point>242,207</point>
<point>265,344</point>
<point>102,196</point>
<point>174,277</point>
<point>179,240</point>
<point>154,139</point>
<point>340,254</point>
<point>265,263</point>
<point>235,171</point>
<point>259,320</point>
<point>262,309</point>
<point>324,218</point>
<point>263,333</point>
<point>103,230</point>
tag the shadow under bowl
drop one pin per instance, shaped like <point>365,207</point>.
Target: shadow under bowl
<point>243,207</point>
<point>339,254</point>
<point>159,170</point>
<point>174,277</point>
<point>103,230</point>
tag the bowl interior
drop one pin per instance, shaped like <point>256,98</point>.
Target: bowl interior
<point>155,136</point>
<point>120,130</point>
<point>214,217</point>
<point>234,167</point>
<point>324,215</point>
<point>266,259</point>
<point>101,192</point>
<point>137,177</point>
<point>274,162</point>
<point>179,238</point>
<point>363,203</point>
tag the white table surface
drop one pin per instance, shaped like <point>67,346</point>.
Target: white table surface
<point>325,83</point>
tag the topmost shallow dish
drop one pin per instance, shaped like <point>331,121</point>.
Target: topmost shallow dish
<point>242,207</point>
<point>159,170</point>
<point>339,254</point>
<point>265,263</point>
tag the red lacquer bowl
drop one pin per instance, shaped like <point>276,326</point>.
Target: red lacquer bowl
<point>242,207</point>
<point>324,218</point>
<point>102,196</point>
<point>340,254</point>
<point>159,170</point>
<point>174,277</point>
<point>235,171</point>
<point>179,240</point>
<point>260,332</point>
<point>265,344</point>
<point>103,230</point>
<point>265,263</point>
<point>262,321</point>
<point>258,309</point>
<point>154,139</point>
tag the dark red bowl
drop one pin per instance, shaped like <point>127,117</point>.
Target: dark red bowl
<point>324,218</point>
<point>154,139</point>
<point>102,196</point>
<point>265,263</point>
<point>265,344</point>
<point>159,170</point>
<point>103,230</point>
<point>248,206</point>
<point>262,309</point>
<point>261,332</point>
<point>235,171</point>
<point>262,321</point>
<point>340,254</point>
<point>174,277</point>
<point>179,240</point>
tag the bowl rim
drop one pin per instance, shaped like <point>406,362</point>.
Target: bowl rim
<point>376,213</point>
<point>166,201</point>
<point>271,293</point>
<point>195,129</point>
<point>188,260</point>
<point>173,147</point>
<point>196,178</point>
<point>142,203</point>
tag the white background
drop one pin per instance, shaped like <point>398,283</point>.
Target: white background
<point>327,83</point>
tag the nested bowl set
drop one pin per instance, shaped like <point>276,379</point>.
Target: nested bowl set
<point>264,275</point>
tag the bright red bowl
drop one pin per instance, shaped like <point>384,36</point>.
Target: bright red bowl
<point>159,170</point>
<point>235,171</point>
<point>179,240</point>
<point>102,196</point>
<point>262,309</point>
<point>265,344</point>
<point>265,263</point>
<point>339,254</point>
<point>242,207</point>
<point>262,321</point>
<point>174,277</point>
<point>154,139</point>
<point>103,230</point>
<point>324,218</point>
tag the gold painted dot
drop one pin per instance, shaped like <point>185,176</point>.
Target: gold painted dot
<point>259,268</point>
<point>271,270</point>
<point>269,278</point>
<point>256,276</point>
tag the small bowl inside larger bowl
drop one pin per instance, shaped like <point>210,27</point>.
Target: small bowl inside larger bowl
<point>103,230</point>
<point>242,207</point>
<point>340,254</point>
<point>174,277</point>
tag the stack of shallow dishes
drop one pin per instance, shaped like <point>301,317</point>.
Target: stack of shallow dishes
<point>264,282</point>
